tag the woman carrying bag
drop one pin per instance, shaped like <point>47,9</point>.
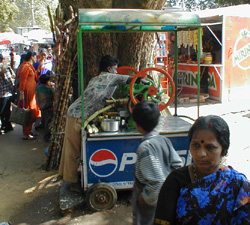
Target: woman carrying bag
<point>27,85</point>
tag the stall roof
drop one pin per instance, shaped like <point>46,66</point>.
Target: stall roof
<point>216,15</point>
<point>135,20</point>
<point>13,38</point>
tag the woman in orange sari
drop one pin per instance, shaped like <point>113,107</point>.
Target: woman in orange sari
<point>28,78</point>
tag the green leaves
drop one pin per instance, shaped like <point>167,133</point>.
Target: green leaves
<point>18,13</point>
<point>7,11</point>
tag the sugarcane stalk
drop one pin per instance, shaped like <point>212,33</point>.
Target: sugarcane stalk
<point>64,41</point>
<point>93,116</point>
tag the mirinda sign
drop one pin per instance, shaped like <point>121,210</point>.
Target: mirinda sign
<point>237,52</point>
<point>241,52</point>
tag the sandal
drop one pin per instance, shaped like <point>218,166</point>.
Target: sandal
<point>28,137</point>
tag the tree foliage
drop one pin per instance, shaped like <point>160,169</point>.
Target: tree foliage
<point>7,11</point>
<point>24,17</point>
<point>231,2</point>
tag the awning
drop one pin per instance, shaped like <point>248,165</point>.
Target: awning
<point>6,42</point>
<point>13,38</point>
<point>115,20</point>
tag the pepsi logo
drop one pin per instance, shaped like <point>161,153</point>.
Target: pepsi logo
<point>103,163</point>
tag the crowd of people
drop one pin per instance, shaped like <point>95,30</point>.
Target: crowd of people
<point>26,83</point>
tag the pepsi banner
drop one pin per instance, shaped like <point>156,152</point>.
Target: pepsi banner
<point>112,161</point>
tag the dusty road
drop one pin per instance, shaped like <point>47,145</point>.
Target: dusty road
<point>29,197</point>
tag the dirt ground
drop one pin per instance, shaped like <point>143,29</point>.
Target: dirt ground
<point>28,195</point>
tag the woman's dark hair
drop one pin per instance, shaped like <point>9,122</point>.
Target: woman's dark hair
<point>22,59</point>
<point>107,61</point>
<point>28,56</point>
<point>146,114</point>
<point>215,124</point>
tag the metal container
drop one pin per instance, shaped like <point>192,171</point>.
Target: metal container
<point>208,58</point>
<point>110,125</point>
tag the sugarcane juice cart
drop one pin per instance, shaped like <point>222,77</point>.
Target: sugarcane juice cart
<point>108,158</point>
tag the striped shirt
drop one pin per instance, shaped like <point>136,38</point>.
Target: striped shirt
<point>156,158</point>
<point>6,82</point>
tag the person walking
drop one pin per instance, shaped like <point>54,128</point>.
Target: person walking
<point>28,79</point>
<point>6,87</point>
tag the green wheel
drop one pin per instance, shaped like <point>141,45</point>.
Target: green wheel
<point>153,91</point>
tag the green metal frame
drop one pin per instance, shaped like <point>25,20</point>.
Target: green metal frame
<point>136,20</point>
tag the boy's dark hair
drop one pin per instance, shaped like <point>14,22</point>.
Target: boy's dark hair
<point>44,79</point>
<point>1,57</point>
<point>107,61</point>
<point>146,114</point>
<point>215,124</point>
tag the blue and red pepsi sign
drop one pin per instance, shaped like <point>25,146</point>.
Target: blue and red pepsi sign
<point>103,163</point>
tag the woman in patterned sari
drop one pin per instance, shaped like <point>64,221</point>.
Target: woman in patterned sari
<point>205,192</point>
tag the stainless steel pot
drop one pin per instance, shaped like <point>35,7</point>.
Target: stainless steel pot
<point>110,125</point>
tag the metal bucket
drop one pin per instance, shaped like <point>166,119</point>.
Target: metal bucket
<point>110,125</point>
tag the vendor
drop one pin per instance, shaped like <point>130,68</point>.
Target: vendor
<point>99,89</point>
<point>172,45</point>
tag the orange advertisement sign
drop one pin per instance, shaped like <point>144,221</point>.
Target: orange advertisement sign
<point>187,79</point>
<point>237,52</point>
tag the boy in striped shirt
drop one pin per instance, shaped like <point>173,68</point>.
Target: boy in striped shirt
<point>156,158</point>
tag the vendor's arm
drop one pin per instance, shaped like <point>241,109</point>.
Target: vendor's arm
<point>121,79</point>
<point>130,79</point>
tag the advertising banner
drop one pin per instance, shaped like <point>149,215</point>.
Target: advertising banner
<point>237,52</point>
<point>187,79</point>
<point>112,161</point>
